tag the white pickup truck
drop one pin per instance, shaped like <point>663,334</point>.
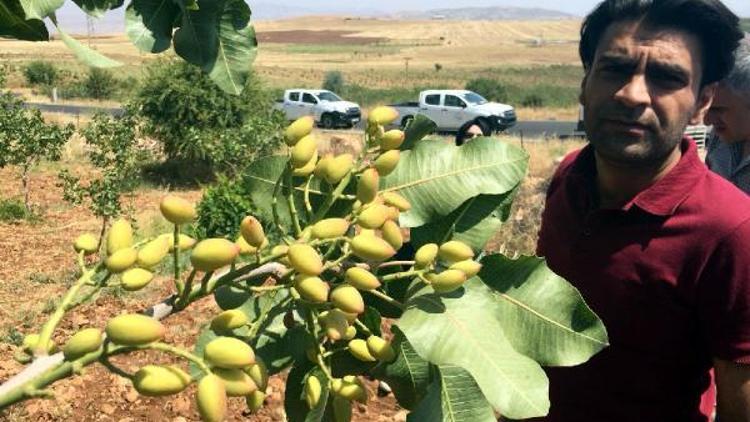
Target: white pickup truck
<point>452,109</point>
<point>327,108</point>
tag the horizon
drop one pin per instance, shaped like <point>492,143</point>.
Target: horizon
<point>72,19</point>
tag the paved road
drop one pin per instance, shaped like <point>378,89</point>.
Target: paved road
<point>527,129</point>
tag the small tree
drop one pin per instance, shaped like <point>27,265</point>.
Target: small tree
<point>334,81</point>
<point>40,73</point>
<point>196,121</point>
<point>25,139</point>
<point>100,83</point>
<point>113,149</point>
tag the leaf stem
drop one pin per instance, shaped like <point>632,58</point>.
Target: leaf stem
<point>290,202</point>
<point>163,347</point>
<point>176,254</point>
<point>387,298</point>
<point>332,198</point>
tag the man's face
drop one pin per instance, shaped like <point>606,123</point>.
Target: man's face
<point>641,91</point>
<point>730,115</point>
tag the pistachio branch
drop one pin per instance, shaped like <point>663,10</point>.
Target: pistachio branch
<point>290,201</point>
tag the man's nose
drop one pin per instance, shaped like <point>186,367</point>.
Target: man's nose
<point>634,92</point>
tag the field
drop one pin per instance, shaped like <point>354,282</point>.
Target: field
<point>382,61</point>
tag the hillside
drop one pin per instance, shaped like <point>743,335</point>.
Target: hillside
<point>485,13</point>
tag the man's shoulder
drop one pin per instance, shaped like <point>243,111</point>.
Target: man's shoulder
<point>721,204</point>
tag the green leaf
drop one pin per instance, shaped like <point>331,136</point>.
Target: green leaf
<point>228,297</point>
<point>40,9</point>
<point>295,405</point>
<point>372,320</point>
<point>543,316</point>
<point>148,24</point>
<point>272,341</point>
<point>85,54</point>
<point>13,23</point>
<point>218,37</point>
<point>408,375</point>
<point>453,397</point>
<point>97,8</point>
<point>473,223</point>
<point>437,177</point>
<point>420,127</point>
<point>462,329</point>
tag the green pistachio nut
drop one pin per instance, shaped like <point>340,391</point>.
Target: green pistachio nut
<point>158,380</point>
<point>348,299</point>
<point>448,281</point>
<point>338,167</point>
<point>381,349</point>
<point>298,130</point>
<point>303,151</point>
<point>86,243</point>
<point>468,267</point>
<point>373,216</point>
<point>391,233</point>
<point>455,251</point>
<point>252,231</point>
<point>134,330</point>
<point>358,349</point>
<point>382,116</point>
<point>211,398</point>
<point>367,186</point>
<point>136,279</point>
<point>121,260</point>
<point>177,210</point>
<point>313,391</point>
<point>255,401</point>
<point>330,228</point>
<point>212,254</point>
<point>426,255</point>
<point>258,373</point>
<point>387,162</point>
<point>236,382</point>
<point>371,248</point>
<point>120,236</point>
<point>229,353</point>
<point>305,259</point>
<point>392,140</point>
<point>82,343</point>
<point>361,279</point>
<point>312,288</point>
<point>153,252</point>
<point>396,200</point>
<point>229,320</point>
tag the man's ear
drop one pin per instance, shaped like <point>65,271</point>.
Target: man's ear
<point>705,98</point>
<point>581,98</point>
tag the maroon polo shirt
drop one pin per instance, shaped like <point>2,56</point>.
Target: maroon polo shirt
<point>668,274</point>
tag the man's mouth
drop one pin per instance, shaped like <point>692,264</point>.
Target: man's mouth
<point>629,126</point>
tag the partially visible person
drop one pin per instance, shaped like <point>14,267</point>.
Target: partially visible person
<point>729,145</point>
<point>471,130</point>
<point>654,242</point>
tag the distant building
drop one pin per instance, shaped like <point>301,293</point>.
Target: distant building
<point>438,17</point>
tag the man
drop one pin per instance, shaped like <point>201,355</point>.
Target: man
<point>655,243</point>
<point>729,147</point>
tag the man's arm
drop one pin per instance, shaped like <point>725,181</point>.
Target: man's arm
<point>733,391</point>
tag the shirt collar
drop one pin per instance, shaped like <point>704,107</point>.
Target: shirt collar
<point>663,197</point>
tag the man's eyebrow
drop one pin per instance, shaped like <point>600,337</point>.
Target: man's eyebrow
<point>668,69</point>
<point>617,59</point>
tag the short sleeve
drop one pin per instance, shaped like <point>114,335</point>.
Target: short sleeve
<point>723,297</point>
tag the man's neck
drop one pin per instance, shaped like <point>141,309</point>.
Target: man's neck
<point>619,183</point>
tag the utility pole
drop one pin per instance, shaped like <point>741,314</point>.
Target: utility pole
<point>89,28</point>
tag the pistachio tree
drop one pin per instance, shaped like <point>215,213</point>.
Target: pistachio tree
<point>469,334</point>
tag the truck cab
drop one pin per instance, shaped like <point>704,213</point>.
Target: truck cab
<point>327,108</point>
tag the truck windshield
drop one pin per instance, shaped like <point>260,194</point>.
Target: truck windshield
<point>328,96</point>
<point>474,98</point>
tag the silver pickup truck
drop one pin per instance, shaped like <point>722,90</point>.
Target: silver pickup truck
<point>327,108</point>
<point>452,109</point>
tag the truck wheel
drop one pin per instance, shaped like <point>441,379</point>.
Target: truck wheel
<point>406,121</point>
<point>326,121</point>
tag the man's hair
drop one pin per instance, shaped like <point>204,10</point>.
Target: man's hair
<point>710,21</point>
<point>738,79</point>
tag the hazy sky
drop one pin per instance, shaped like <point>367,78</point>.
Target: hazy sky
<point>577,7</point>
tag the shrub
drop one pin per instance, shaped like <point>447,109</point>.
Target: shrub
<point>334,81</point>
<point>40,73</point>
<point>100,84</point>
<point>222,208</point>
<point>489,88</point>
<point>196,121</point>
<point>13,210</point>
<point>533,100</point>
